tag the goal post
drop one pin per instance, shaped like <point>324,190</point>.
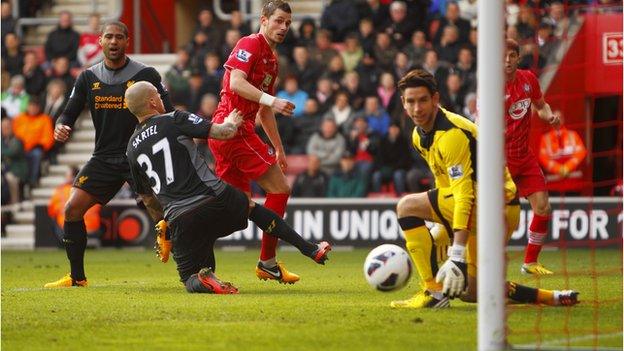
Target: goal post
<point>490,198</point>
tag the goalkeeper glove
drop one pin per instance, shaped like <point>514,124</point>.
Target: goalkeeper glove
<point>453,273</point>
<point>163,243</point>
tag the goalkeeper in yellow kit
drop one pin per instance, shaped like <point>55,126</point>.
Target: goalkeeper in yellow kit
<point>448,142</point>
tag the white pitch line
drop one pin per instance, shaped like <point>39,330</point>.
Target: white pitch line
<point>555,342</point>
<point>90,286</point>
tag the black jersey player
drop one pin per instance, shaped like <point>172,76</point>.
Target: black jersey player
<point>101,87</point>
<point>199,207</point>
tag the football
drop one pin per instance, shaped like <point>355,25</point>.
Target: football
<point>387,267</point>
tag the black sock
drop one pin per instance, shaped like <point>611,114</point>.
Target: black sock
<point>75,240</point>
<point>268,221</point>
<point>521,293</point>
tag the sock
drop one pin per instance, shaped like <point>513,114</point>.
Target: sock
<point>277,227</point>
<point>194,285</point>
<point>421,249</point>
<point>525,294</point>
<point>277,204</point>
<point>537,232</point>
<point>75,240</point>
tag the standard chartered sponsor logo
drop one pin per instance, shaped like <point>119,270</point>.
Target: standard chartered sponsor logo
<point>109,102</point>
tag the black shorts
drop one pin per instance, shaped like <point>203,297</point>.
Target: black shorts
<point>194,232</point>
<point>103,178</point>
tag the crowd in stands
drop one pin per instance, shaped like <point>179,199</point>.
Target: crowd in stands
<point>340,71</point>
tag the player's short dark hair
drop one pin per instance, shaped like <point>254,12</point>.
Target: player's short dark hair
<point>418,78</point>
<point>511,44</point>
<point>117,24</point>
<point>271,6</point>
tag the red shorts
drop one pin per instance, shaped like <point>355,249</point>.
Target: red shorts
<point>527,175</point>
<point>240,160</point>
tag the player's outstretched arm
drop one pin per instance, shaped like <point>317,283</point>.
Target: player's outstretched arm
<point>269,124</point>
<point>545,113</point>
<point>228,128</point>
<point>62,132</point>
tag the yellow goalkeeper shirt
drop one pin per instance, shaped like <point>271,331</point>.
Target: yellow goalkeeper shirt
<point>450,150</point>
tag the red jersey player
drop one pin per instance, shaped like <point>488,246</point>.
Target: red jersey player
<point>521,91</point>
<point>249,85</point>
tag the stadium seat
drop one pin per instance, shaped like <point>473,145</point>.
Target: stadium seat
<point>296,164</point>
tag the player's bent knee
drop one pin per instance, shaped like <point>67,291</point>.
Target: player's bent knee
<point>412,205</point>
<point>73,213</point>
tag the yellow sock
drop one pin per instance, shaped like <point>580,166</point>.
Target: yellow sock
<point>546,297</point>
<point>420,248</point>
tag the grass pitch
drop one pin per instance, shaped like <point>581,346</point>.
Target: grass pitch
<point>134,302</point>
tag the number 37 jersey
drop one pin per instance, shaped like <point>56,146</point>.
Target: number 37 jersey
<point>164,160</point>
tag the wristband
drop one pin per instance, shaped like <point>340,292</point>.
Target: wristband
<point>266,99</point>
<point>456,253</point>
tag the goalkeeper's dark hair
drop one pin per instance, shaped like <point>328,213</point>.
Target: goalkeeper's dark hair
<point>271,6</point>
<point>418,78</point>
<point>117,24</point>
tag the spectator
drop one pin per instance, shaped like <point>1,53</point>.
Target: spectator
<point>293,94</point>
<point>197,90</point>
<point>56,207</point>
<point>347,182</point>
<point>366,34</point>
<point>512,33</point>
<point>547,43</point>
<point>472,41</point>
<point>449,45</point>
<point>213,36</point>
<point>14,166</point>
<point>364,145</point>
<point>207,106</point>
<point>198,48</point>
<point>89,49</point>
<point>392,161</point>
<point>312,182</point>
<point>63,41</point>
<point>353,53</point>
<point>306,126</point>
<point>60,70</point>
<point>232,36</point>
<point>452,17</point>
<point>238,23</point>
<point>401,26</point>
<point>324,93</point>
<point>530,58</point>
<point>512,10</point>
<point>388,94</point>
<point>8,22</point>
<point>452,97</point>
<point>177,78</point>
<point>35,131</point>
<point>527,23</point>
<point>335,71</point>
<point>384,51</point>
<point>305,69</point>
<point>466,69</point>
<point>12,56</point>
<point>341,112</point>
<point>369,73</point>
<point>34,77</point>
<point>212,74</point>
<point>418,178</point>
<point>417,48</point>
<point>470,107</point>
<point>433,66</point>
<point>351,84</point>
<point>307,33</point>
<point>468,11</point>
<point>558,19</point>
<point>328,145</point>
<point>340,17</point>
<point>377,12</point>
<point>561,153</point>
<point>55,99</point>
<point>402,65</point>
<point>323,50</point>
<point>15,99</point>
<point>376,116</point>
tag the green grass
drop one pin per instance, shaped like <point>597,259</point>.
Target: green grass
<point>136,303</point>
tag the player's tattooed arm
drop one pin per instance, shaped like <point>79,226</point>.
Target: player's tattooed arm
<point>228,128</point>
<point>154,209</point>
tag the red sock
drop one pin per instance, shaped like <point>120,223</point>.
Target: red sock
<point>277,204</point>
<point>537,232</point>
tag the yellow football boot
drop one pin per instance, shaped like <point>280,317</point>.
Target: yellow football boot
<point>279,273</point>
<point>423,299</point>
<point>66,282</point>
<point>535,268</point>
